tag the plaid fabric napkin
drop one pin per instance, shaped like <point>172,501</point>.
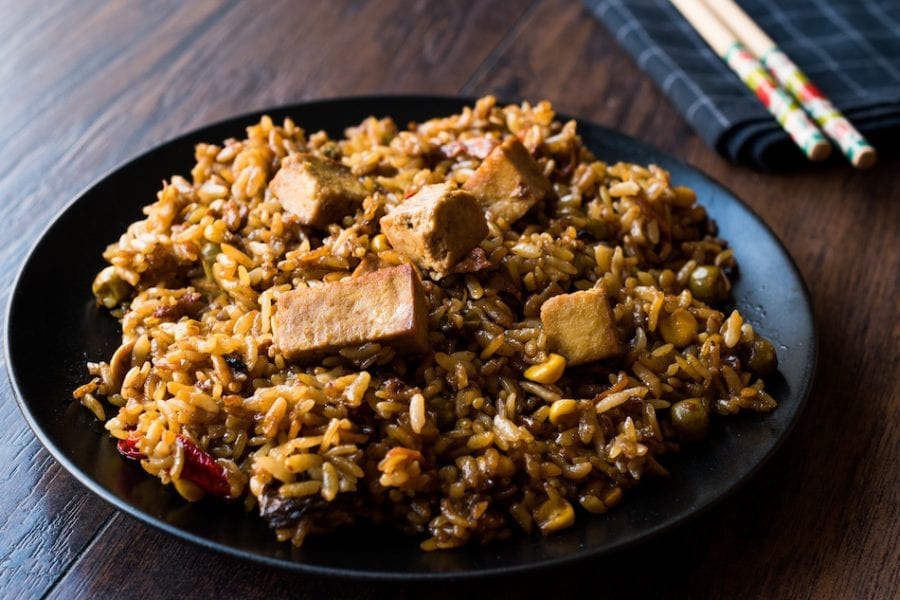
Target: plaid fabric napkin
<point>849,48</point>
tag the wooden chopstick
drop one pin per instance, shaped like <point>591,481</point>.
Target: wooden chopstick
<point>855,147</point>
<point>778,102</point>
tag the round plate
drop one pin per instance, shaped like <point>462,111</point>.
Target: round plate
<point>54,327</point>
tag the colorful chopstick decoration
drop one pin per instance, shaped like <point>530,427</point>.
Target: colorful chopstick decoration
<point>783,107</point>
<point>752,54</point>
<point>855,147</point>
<point>779,103</point>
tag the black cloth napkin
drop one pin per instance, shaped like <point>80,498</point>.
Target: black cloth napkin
<point>849,48</point>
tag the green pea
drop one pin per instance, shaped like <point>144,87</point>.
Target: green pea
<point>761,357</point>
<point>208,256</point>
<point>110,289</point>
<point>708,283</point>
<point>331,149</point>
<point>210,251</point>
<point>690,419</point>
<point>679,328</point>
<point>445,413</point>
<point>593,230</point>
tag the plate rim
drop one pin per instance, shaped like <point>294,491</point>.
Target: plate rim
<point>587,553</point>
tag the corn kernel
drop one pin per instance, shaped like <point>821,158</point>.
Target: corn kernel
<point>553,515</point>
<point>684,196</point>
<point>548,371</point>
<point>380,243</point>
<point>561,408</point>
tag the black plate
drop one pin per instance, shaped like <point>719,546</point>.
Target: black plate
<point>53,329</point>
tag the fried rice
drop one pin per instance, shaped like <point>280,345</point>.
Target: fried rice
<point>487,432</point>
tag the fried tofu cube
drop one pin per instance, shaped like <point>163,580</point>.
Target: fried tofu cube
<point>436,227</point>
<point>386,306</point>
<point>509,182</point>
<point>581,326</point>
<point>317,190</point>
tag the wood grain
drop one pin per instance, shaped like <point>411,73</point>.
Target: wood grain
<point>87,85</point>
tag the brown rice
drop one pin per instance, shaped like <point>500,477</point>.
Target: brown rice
<point>457,444</point>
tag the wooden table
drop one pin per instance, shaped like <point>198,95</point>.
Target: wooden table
<point>87,84</point>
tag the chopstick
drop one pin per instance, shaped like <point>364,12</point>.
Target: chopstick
<point>855,147</point>
<point>778,102</point>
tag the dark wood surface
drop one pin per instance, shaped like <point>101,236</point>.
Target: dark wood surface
<point>85,85</point>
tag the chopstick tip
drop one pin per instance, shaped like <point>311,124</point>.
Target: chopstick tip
<point>865,158</point>
<point>819,151</point>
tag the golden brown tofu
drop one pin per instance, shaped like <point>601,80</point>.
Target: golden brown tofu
<point>386,306</point>
<point>436,227</point>
<point>581,326</point>
<point>509,182</point>
<point>318,190</point>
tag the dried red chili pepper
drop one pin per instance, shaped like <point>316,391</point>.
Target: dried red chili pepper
<point>199,467</point>
<point>128,448</point>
